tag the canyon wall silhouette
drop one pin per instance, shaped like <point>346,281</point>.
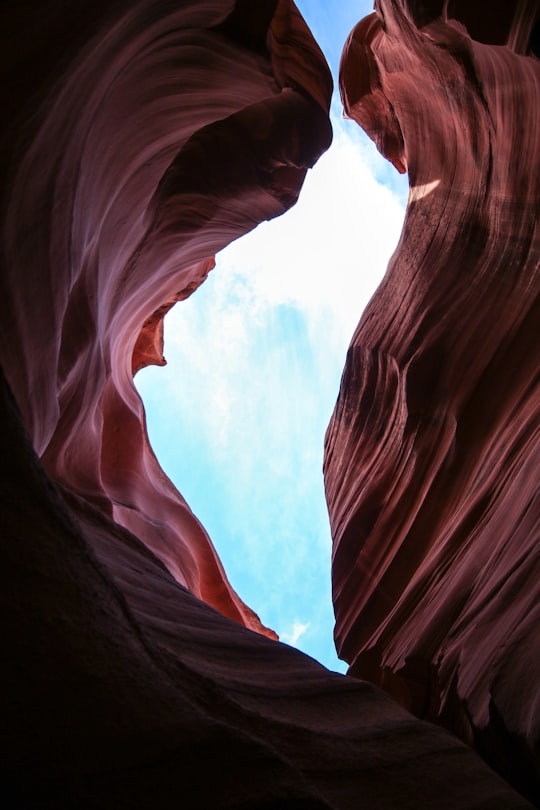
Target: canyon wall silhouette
<point>432,456</point>
<point>141,138</point>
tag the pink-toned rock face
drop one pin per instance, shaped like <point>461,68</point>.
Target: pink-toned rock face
<point>140,138</point>
<point>432,454</point>
<point>174,132</point>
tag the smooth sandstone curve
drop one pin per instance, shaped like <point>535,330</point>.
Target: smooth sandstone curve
<point>176,131</point>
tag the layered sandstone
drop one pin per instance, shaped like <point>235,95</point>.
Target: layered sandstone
<point>176,130</point>
<point>432,455</point>
<point>142,137</point>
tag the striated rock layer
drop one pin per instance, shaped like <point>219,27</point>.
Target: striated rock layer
<point>432,455</point>
<point>141,137</point>
<point>177,128</point>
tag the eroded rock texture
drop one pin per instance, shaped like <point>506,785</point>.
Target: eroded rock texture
<point>432,455</point>
<point>141,137</point>
<point>176,128</point>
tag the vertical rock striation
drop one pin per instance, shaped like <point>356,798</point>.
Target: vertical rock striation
<point>432,455</point>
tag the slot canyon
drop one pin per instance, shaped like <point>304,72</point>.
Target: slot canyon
<point>141,137</point>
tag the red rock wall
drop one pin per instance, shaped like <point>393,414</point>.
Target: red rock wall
<point>432,454</point>
<point>140,138</point>
<point>175,132</point>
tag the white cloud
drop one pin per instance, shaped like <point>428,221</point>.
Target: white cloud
<point>298,629</point>
<point>327,255</point>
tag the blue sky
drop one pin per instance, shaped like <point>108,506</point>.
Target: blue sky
<point>237,417</point>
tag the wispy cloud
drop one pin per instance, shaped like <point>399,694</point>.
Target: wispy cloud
<point>307,258</point>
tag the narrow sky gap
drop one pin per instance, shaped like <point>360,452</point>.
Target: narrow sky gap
<point>237,418</point>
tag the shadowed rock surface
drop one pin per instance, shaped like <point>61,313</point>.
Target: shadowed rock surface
<point>141,138</point>
<point>432,455</point>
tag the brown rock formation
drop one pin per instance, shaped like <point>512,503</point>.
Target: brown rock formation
<point>432,455</point>
<point>141,137</point>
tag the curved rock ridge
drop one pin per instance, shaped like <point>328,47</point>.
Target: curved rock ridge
<point>122,690</point>
<point>176,129</point>
<point>432,454</point>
